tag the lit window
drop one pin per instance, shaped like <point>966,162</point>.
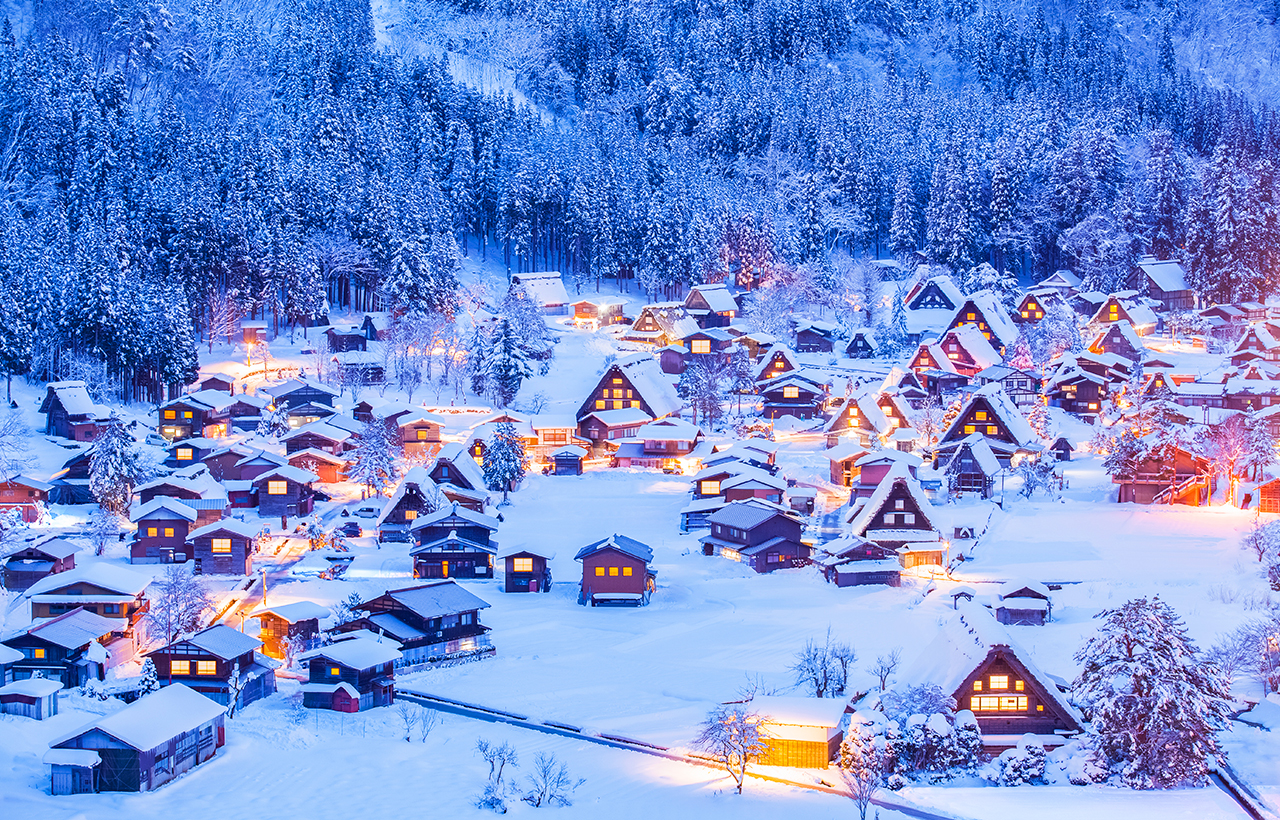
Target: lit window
<point>37,654</point>
<point>168,532</point>
<point>522,565</point>
<point>334,671</point>
<point>977,686</point>
<point>981,415</point>
<point>969,428</point>
<point>992,430</point>
<point>700,346</point>
<point>186,414</point>
<point>711,488</point>
<point>635,404</point>
<point>152,532</point>
<point>1039,707</point>
<point>791,392</point>
<point>1018,686</point>
<point>617,405</point>
<point>626,571</point>
<point>599,404</point>
<point>180,667</point>
<point>185,454</point>
<point>220,546</point>
<point>422,435</point>
<point>970,315</point>
<point>170,414</point>
<point>599,570</point>
<point>277,488</point>
<point>1025,315</point>
<point>999,681</point>
<point>613,571</point>
<point>409,515</point>
<point>984,704</point>
<point>1013,703</point>
<point>617,381</point>
<point>1031,305</point>
<point>206,667</point>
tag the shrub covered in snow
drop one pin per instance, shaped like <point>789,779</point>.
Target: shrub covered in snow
<point>1023,765</point>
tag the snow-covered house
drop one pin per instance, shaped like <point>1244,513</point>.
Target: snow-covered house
<point>711,305</point>
<point>217,662</point>
<point>1021,387</point>
<point>430,622</point>
<point>598,312</point>
<point>327,468</point>
<point>633,382</point>
<point>604,426</point>
<point>318,435</point>
<point>1121,339</point>
<point>815,336</point>
<point>851,561</point>
<point>976,661</point>
<point>141,747</point>
<point>666,443</point>
<point>862,344</point>
<point>616,571</point>
<point>37,561</point>
<point>898,516</point>
<point>194,486</point>
<point>1024,603</point>
<point>35,698</point>
<point>224,547</point>
<point>284,491</point>
<point>990,413</point>
<point>994,322</point>
<point>1126,306</point>
<point>525,570</point>
<point>453,542</point>
<point>661,324</point>
<point>756,534</point>
<point>972,467</point>
<point>800,732</point>
<point>113,591</point>
<point>1031,309</point>
<point>861,416</point>
<point>70,648</point>
<point>1064,282</point>
<point>24,494</point>
<point>162,527</point>
<point>777,360</point>
<point>546,290</point>
<point>1260,340</point>
<point>930,304</point>
<point>1165,281</point>
<point>414,495</point>
<point>70,412</point>
<point>968,349</point>
<point>792,394</point>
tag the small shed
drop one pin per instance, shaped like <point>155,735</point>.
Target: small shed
<point>1024,603</point>
<point>800,732</point>
<point>34,698</point>
<point>1062,448</point>
<point>526,571</point>
<point>568,460</point>
<point>298,621</point>
<point>72,770</point>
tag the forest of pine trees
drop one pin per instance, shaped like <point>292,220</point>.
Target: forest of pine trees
<point>166,171</point>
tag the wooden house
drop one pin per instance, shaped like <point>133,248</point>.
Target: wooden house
<point>194,486</point>
<point>799,732</point>
<point>1063,282</point>
<point>1031,310</point>
<point>224,547</point>
<point>843,457</point>
<point>708,345</point>
<point>634,382</point>
<point>185,452</point>
<point>1165,282</point>
<point>851,561</point>
<point>1077,389</point>
<point>35,698</point>
<point>598,312</point>
<point>972,467</point>
<point>420,432</point>
<point>673,359</point>
<point>8,657</point>
<point>243,414</point>
<point>616,571</point>
<point>1183,479</point>
<point>604,426</point>
<point>871,468</point>
<point>665,444</point>
<point>300,393</point>
<point>161,536</point>
<point>318,435</point>
<point>862,344</point>
<point>1121,339</point>
<point>453,542</point>
<point>350,675</point>
<point>284,491</point>
<point>296,624</point>
<point>792,394</point>
<point>218,380</point>
<point>526,571</point>
<point>70,413</point>
<point>104,589</point>
<point>1062,448</point>
<point>775,362</point>
<point>182,418</point>
<point>325,466</point>
<point>897,514</point>
<point>711,305</point>
<point>858,416</point>
<point>415,495</point>
<point>69,648</point>
<point>749,484</point>
<point>344,338</point>
<point>141,747</point>
<point>661,324</point>
<point>1260,341</point>
<point>545,289</point>
<point>1125,307</point>
<point>976,661</point>
<point>1024,603</point>
<point>568,460</point>
<point>70,485</point>
<point>814,336</point>
<point>375,326</point>
<point>935,293</point>
<point>990,413</point>
<point>36,562</point>
<point>983,309</point>
<point>453,465</point>
<point>431,622</point>
<point>757,535</point>
<point>26,495</point>
<point>209,662</point>
<point>1021,387</point>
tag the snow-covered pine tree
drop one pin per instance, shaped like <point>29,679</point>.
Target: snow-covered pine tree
<point>274,422</point>
<point>373,462</point>
<point>479,349</point>
<point>904,220</point>
<point>508,366</point>
<point>505,460</point>
<point>1126,455</point>
<point>150,682</point>
<point>861,764</point>
<point>1155,705</point>
<point>114,467</point>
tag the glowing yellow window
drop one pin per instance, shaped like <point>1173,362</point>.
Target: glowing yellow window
<point>981,415</point>
<point>186,414</point>
<point>700,346</point>
<point>992,430</point>
<point>711,488</point>
<point>37,653</point>
<point>617,394</point>
<point>599,404</point>
<point>180,667</point>
<point>1114,313</point>
<point>1039,707</point>
<point>985,704</point>
<point>970,316</point>
<point>999,681</point>
<point>1024,315</point>
<point>617,381</point>
<point>1013,704</point>
<point>152,532</point>
<point>969,428</point>
<point>335,671</point>
<point>185,454</point>
<point>206,667</point>
<point>522,565</point>
<point>168,532</point>
<point>220,546</point>
<point>977,686</point>
<point>613,571</point>
<point>599,570</point>
<point>626,571</point>
<point>1018,686</point>
<point>410,515</point>
<point>277,488</point>
<point>635,404</point>
<point>171,414</point>
<point>422,435</point>
<point>791,392</point>
<point>617,405</point>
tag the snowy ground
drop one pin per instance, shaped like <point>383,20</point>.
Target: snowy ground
<point>652,673</point>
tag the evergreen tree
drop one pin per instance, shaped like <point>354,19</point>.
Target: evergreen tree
<point>373,462</point>
<point>1154,703</point>
<point>505,460</point>
<point>507,365</point>
<point>904,221</point>
<point>114,467</point>
<point>274,423</point>
<point>150,681</point>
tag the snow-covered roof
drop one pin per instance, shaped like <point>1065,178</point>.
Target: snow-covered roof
<point>622,417</point>
<point>1168,274</point>
<point>322,428</point>
<point>969,337</point>
<point>944,283</point>
<point>792,711</point>
<point>1061,279</point>
<point>717,297</point>
<point>546,289</point>
<point>100,574</point>
<point>225,642</point>
<point>1139,313</point>
<point>977,444</point>
<point>284,388</point>
<point>32,687</point>
<point>744,514</point>
<point>1003,329</point>
<point>456,511</point>
<point>287,472</point>
<point>630,546</point>
<point>646,377</point>
<point>357,653</point>
<point>1010,587</point>
<point>232,525</point>
<point>82,758</point>
<point>1006,411</point>
<point>296,611</point>
<point>438,599</point>
<point>416,477</point>
<point>571,450</point>
<point>9,655</point>
<point>755,476</point>
<point>165,504</point>
<point>56,548</point>
<point>964,641</point>
<point>846,451</point>
<point>767,359</point>
<point>75,399</point>
<point>456,455</point>
<point>74,629</point>
<point>897,474</point>
<point>669,429</point>
<point>155,718</point>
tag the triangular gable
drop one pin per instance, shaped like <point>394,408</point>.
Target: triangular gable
<point>777,361</point>
<point>983,309</point>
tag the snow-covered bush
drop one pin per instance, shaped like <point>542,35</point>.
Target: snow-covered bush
<point>1023,765</point>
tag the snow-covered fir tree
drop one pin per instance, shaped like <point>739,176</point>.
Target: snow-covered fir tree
<point>505,459</point>
<point>507,365</point>
<point>374,460</point>
<point>114,467</point>
<point>274,422</point>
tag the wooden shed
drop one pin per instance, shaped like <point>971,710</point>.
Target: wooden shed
<point>298,622</point>
<point>526,571</point>
<point>34,698</point>
<point>800,732</point>
<point>568,460</point>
